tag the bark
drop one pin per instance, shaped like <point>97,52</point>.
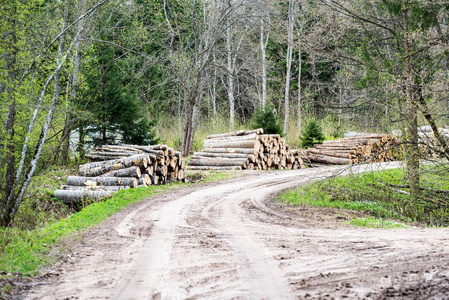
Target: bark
<point>234,138</point>
<point>328,159</point>
<point>235,133</point>
<point>254,144</point>
<point>69,196</point>
<point>224,155</point>
<point>411,134</point>
<point>94,188</point>
<point>231,150</point>
<point>263,45</point>
<point>230,71</point>
<point>291,14</point>
<point>204,168</point>
<point>106,181</point>
<point>126,172</point>
<point>342,154</point>
<point>216,162</point>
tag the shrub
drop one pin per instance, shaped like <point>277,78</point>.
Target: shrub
<point>265,118</point>
<point>312,134</point>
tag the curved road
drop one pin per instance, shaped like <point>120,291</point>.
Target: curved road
<point>223,240</point>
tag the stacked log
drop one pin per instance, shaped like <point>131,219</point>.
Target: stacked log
<point>245,149</point>
<point>118,167</point>
<point>368,148</point>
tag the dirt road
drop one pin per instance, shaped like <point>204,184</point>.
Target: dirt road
<point>225,240</point>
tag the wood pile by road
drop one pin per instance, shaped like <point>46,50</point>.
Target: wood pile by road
<point>369,148</point>
<point>245,150</point>
<point>118,167</point>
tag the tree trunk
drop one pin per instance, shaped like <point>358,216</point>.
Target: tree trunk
<point>328,159</point>
<point>254,144</point>
<point>217,162</point>
<point>107,181</point>
<point>231,150</point>
<point>299,83</point>
<point>411,133</point>
<point>207,168</point>
<point>126,172</point>
<point>230,71</point>
<point>68,196</point>
<point>264,62</point>
<point>94,188</point>
<point>289,62</point>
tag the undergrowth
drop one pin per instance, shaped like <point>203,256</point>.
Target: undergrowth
<point>383,195</point>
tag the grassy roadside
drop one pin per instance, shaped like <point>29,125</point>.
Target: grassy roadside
<point>24,251</point>
<point>382,196</point>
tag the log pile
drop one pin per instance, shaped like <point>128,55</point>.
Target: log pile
<point>369,148</point>
<point>118,167</point>
<point>245,149</point>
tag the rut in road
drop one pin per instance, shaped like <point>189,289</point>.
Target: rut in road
<point>221,241</point>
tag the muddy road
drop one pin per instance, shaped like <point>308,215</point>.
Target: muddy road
<point>226,240</point>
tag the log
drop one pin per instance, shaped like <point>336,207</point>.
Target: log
<point>223,155</point>
<point>231,150</point>
<point>162,171</point>
<point>68,196</point>
<point>342,154</point>
<point>114,153</point>
<point>220,168</point>
<point>141,182</point>
<point>135,160</point>
<point>107,181</point>
<point>334,147</point>
<point>181,174</point>
<point>253,144</point>
<point>329,159</point>
<point>233,138</point>
<point>235,133</point>
<point>217,162</point>
<point>94,188</point>
<point>126,172</point>
<point>155,180</point>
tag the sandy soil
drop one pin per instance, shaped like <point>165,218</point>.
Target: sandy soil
<point>226,240</point>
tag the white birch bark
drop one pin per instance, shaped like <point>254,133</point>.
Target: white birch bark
<point>230,71</point>
<point>290,19</point>
<point>263,45</point>
<point>299,79</point>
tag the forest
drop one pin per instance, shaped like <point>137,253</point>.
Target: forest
<point>83,73</point>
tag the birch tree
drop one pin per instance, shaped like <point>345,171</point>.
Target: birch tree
<point>17,180</point>
<point>291,16</point>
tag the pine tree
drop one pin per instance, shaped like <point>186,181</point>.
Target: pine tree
<point>114,112</point>
<point>266,119</point>
<point>312,134</point>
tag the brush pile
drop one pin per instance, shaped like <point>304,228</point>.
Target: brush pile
<point>369,148</point>
<point>245,150</point>
<point>122,167</point>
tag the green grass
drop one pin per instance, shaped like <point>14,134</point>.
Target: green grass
<point>372,194</point>
<point>377,223</point>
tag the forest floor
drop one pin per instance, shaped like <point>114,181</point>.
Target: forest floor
<point>228,240</point>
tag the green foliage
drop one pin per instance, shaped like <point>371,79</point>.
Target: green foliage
<point>265,118</point>
<point>312,134</point>
<point>372,194</point>
<point>114,110</point>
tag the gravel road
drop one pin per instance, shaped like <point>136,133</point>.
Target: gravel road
<point>226,240</point>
